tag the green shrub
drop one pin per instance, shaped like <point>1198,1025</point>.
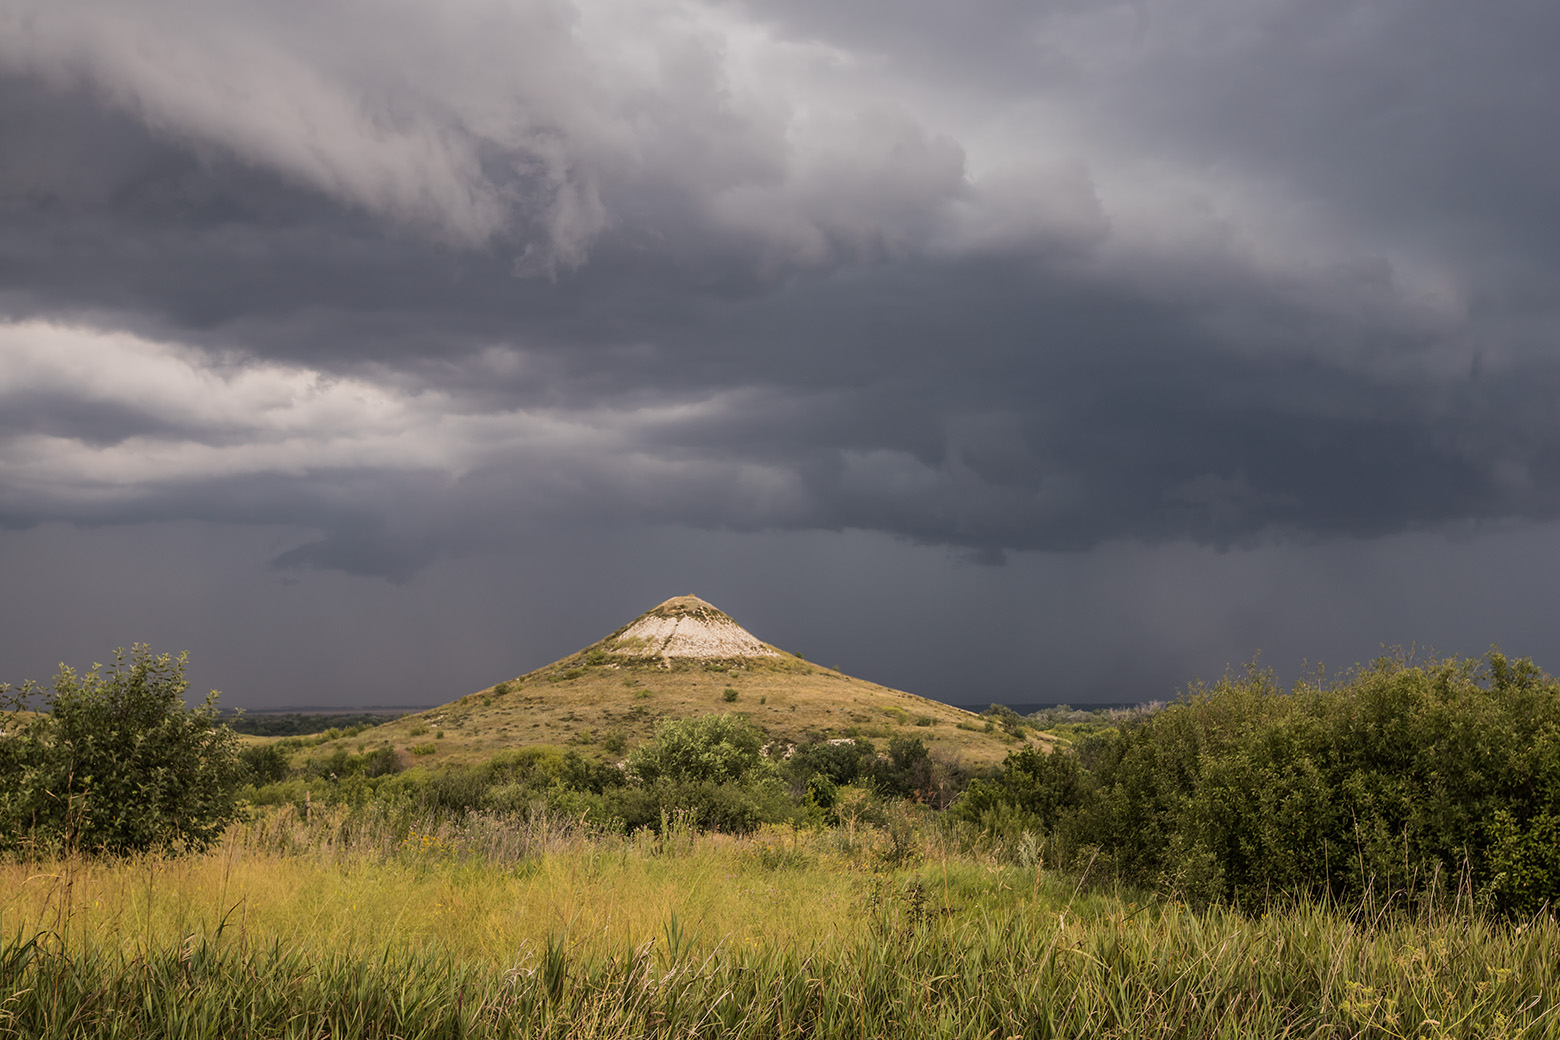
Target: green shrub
<point>1401,780</point>
<point>1525,862</point>
<point>841,763</point>
<point>1041,786</point>
<point>821,791</point>
<point>118,763</point>
<point>709,748</point>
<point>730,695</point>
<point>731,808</point>
<point>342,763</point>
<point>263,764</point>
<point>905,770</point>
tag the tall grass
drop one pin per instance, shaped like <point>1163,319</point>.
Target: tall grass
<point>484,927</point>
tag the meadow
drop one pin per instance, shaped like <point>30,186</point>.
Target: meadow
<point>349,923</point>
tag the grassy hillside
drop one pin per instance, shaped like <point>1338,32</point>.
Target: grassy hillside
<point>607,698</point>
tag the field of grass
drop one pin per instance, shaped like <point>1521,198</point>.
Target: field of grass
<point>345,925</point>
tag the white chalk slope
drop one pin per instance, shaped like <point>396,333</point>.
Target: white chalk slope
<point>687,626</point>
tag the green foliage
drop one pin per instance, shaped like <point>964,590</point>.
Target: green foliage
<point>1004,716</point>
<point>263,764</point>
<point>342,763</point>
<point>1402,780</point>
<point>909,771</point>
<point>730,695</point>
<point>1525,862</point>
<point>117,764</point>
<point>1041,786</point>
<point>732,808</point>
<point>840,762</point>
<point>822,792</point>
<point>708,748</point>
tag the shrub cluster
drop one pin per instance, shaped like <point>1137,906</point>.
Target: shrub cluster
<point>1399,781</point>
<point>711,772</point>
<point>116,763</point>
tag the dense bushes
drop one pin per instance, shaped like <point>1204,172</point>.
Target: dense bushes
<point>711,772</point>
<point>1403,780</point>
<point>116,763</point>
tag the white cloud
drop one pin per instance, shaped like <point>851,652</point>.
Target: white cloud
<point>189,420</point>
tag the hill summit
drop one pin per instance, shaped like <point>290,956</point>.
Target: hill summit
<point>685,626</point>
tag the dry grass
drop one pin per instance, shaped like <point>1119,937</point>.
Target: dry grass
<point>584,705</point>
<point>547,931</point>
<point>479,890</point>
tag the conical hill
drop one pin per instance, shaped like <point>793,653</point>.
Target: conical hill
<point>682,658</point>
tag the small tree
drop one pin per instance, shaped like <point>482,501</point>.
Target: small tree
<point>116,763</point>
<point>708,749</point>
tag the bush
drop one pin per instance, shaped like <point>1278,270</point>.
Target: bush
<point>342,763</point>
<point>1041,786</point>
<point>1402,780</point>
<point>727,807</point>
<point>909,771</point>
<point>822,792</point>
<point>263,764</point>
<point>711,748</point>
<point>840,762</point>
<point>117,763</point>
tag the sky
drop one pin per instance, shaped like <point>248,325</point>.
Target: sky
<point>1040,352</point>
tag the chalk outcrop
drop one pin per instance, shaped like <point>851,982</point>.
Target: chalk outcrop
<point>686,627</point>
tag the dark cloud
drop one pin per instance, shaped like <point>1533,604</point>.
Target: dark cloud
<point>1016,279</point>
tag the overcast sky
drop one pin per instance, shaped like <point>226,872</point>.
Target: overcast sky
<point>373,352</point>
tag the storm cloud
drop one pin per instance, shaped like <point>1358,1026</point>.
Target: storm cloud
<point>417,283</point>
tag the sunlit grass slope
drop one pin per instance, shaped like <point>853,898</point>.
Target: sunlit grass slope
<point>605,700</point>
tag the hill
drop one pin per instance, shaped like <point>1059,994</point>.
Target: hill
<point>681,658</point>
